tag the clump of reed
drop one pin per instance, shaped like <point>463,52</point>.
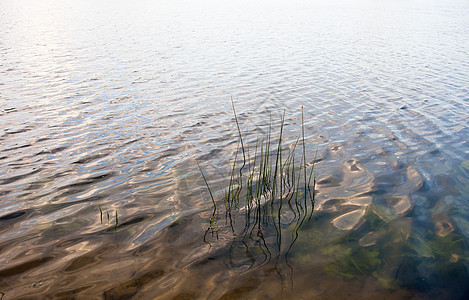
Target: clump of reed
<point>101,212</point>
<point>271,183</point>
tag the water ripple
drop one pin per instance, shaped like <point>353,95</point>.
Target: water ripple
<point>111,106</point>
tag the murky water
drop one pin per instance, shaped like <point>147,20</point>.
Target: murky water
<point>111,103</point>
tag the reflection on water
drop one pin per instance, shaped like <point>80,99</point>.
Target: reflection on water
<point>113,103</point>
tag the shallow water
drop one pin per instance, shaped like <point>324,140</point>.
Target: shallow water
<point>111,103</point>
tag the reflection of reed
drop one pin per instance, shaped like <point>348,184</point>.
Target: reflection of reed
<point>268,198</point>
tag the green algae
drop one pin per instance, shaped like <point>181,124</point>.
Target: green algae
<point>465,164</point>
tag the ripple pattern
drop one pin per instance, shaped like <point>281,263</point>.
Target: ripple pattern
<point>112,102</point>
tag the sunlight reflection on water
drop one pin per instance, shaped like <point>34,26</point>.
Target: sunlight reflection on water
<point>111,102</point>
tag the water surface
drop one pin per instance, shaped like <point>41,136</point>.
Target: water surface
<point>111,103</point>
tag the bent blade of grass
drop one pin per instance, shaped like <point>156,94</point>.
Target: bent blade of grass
<point>312,195</point>
<point>304,156</point>
<point>208,187</point>
<point>239,132</point>
<point>101,212</point>
<point>313,167</point>
<point>231,193</point>
<point>278,162</point>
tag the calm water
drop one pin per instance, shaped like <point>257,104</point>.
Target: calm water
<point>111,103</point>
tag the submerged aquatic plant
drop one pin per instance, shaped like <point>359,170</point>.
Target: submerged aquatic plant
<point>270,189</point>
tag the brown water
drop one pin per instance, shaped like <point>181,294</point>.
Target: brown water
<point>111,103</point>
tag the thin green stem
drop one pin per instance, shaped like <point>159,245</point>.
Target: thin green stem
<point>208,187</point>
